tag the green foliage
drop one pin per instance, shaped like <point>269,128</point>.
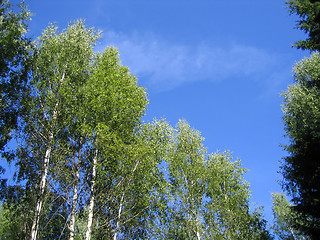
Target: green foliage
<point>302,125</point>
<point>10,225</point>
<point>16,213</point>
<point>83,151</point>
<point>13,67</point>
<point>61,64</point>
<point>14,55</point>
<point>284,218</point>
<point>113,105</point>
<point>207,197</point>
<point>309,22</point>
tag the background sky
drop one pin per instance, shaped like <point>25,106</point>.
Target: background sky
<point>220,65</point>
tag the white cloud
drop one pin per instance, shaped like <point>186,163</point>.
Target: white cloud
<point>164,65</point>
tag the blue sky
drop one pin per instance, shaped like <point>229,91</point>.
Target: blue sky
<point>220,65</point>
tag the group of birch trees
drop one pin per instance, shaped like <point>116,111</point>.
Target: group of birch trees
<point>87,167</point>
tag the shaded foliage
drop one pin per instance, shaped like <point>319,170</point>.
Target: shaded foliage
<point>13,66</point>
<point>308,12</point>
<point>302,125</point>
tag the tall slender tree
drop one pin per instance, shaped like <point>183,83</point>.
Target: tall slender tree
<point>283,218</point>
<point>114,105</point>
<point>60,66</point>
<point>208,197</point>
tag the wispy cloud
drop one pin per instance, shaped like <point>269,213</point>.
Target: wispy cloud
<point>164,65</point>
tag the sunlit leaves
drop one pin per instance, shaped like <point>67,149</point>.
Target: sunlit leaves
<point>284,218</point>
<point>208,197</point>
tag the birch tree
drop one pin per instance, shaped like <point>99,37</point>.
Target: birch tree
<point>283,218</point>
<point>114,106</point>
<point>208,198</point>
<point>186,169</point>
<point>60,66</point>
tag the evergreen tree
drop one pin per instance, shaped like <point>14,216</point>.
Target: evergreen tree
<point>309,22</point>
<point>302,124</point>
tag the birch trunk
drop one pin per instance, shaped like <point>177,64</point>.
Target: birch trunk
<point>119,216</point>
<point>198,235</point>
<point>292,232</point>
<point>35,223</point>
<point>74,204</point>
<point>121,202</point>
<point>43,182</point>
<point>92,196</point>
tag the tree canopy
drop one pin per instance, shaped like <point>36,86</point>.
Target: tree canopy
<point>300,168</point>
<point>88,167</point>
<point>284,218</point>
<point>302,121</point>
<point>308,12</point>
<point>13,66</point>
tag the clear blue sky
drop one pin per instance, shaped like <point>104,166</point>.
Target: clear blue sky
<point>220,65</point>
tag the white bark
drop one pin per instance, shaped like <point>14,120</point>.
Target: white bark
<point>198,235</point>
<point>119,216</point>
<point>121,202</point>
<point>292,232</point>
<point>35,223</point>
<point>92,196</point>
<point>74,204</point>
<point>43,182</point>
